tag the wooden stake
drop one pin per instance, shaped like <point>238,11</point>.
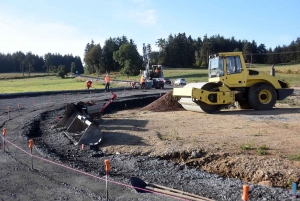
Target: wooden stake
<point>107,168</point>
<point>31,146</point>
<point>8,109</point>
<point>4,134</point>
<point>245,192</point>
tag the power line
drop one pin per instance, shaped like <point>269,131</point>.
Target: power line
<point>272,53</point>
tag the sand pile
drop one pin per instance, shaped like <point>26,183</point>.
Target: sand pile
<point>164,104</point>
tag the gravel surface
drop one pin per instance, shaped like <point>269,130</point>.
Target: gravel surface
<point>51,182</point>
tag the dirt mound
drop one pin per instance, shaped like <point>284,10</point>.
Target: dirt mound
<point>164,104</point>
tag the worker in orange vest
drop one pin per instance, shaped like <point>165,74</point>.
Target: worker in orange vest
<point>142,82</point>
<point>132,84</point>
<point>156,70</point>
<point>88,84</point>
<point>107,81</point>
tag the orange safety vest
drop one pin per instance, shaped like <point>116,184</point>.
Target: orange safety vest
<point>107,79</point>
<point>156,70</point>
<point>88,84</point>
<point>142,79</point>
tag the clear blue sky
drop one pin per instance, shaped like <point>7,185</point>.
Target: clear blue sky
<point>65,26</point>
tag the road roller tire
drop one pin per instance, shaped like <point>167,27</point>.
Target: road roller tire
<point>242,105</point>
<point>262,96</point>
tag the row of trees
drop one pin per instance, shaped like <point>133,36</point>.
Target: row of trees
<point>62,65</point>
<point>50,63</point>
<point>117,54</point>
<point>120,54</point>
<point>179,50</point>
<point>182,51</point>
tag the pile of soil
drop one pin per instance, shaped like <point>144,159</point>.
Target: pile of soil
<point>164,104</point>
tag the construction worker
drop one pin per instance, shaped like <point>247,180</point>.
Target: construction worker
<point>107,81</point>
<point>142,82</point>
<point>132,84</point>
<point>88,84</point>
<point>272,71</point>
<point>156,74</point>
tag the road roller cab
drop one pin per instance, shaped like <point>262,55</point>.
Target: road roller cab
<point>229,82</point>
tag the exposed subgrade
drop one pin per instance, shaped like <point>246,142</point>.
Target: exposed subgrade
<point>164,170</point>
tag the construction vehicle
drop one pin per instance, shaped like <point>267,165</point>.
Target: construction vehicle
<point>229,82</point>
<point>154,76</point>
<point>80,123</point>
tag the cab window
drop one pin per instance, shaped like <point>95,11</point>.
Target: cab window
<point>233,65</point>
<point>238,64</point>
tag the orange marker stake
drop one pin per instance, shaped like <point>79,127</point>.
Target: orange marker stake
<point>245,192</point>
<point>4,134</point>
<point>107,168</point>
<point>8,109</point>
<point>31,146</point>
<point>19,107</point>
<point>82,147</point>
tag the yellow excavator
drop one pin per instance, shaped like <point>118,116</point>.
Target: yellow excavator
<point>230,81</point>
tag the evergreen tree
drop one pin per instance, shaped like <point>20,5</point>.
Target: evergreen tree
<point>48,62</point>
<point>129,59</point>
<point>29,62</point>
<point>73,67</point>
<point>20,58</point>
<point>110,46</point>
<point>94,58</point>
<point>62,71</point>
<point>247,50</point>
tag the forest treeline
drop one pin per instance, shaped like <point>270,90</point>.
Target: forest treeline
<point>182,51</point>
<point>120,55</point>
<point>49,63</point>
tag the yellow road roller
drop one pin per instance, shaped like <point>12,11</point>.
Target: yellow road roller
<point>230,81</point>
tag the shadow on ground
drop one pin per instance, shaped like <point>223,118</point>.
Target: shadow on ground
<point>274,111</point>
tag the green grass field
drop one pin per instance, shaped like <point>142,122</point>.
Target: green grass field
<point>289,73</point>
<point>20,75</point>
<point>200,75</point>
<point>49,83</point>
<point>52,83</point>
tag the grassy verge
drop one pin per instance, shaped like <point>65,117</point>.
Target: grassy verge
<point>20,75</point>
<point>41,82</point>
<point>50,83</point>
<point>295,157</point>
<point>201,74</point>
<point>289,73</point>
<point>191,75</point>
